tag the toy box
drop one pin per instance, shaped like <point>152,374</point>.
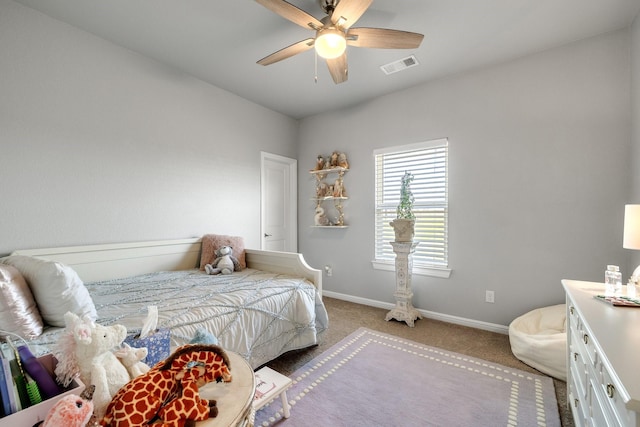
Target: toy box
<point>35,413</point>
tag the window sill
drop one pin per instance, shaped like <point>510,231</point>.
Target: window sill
<point>442,273</point>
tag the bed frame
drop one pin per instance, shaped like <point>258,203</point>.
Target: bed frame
<point>114,261</point>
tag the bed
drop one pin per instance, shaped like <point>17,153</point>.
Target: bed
<point>271,307</point>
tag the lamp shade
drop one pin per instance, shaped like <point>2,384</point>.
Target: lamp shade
<point>330,43</point>
<point>631,238</point>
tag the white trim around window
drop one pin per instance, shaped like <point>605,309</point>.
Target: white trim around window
<point>428,163</point>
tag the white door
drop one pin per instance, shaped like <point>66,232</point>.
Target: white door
<point>279,216</point>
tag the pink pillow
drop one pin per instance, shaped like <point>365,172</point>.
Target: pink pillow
<point>211,243</point>
<point>18,310</point>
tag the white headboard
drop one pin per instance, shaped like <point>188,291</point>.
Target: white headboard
<point>117,260</point>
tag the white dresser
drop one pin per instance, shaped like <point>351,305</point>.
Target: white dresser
<point>603,342</point>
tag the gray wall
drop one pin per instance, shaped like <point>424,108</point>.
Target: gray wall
<point>634,158</point>
<point>539,169</point>
<point>99,144</point>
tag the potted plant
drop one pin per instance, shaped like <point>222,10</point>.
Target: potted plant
<point>403,225</point>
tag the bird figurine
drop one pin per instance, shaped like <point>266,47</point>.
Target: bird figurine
<point>320,218</point>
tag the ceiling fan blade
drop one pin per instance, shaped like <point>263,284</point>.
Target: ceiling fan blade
<point>338,68</point>
<point>292,13</point>
<point>383,38</point>
<point>287,52</point>
<point>347,12</point>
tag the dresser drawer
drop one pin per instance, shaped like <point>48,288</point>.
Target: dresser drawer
<point>614,399</point>
<point>601,411</point>
<point>579,373</point>
<point>579,406</point>
<point>585,344</point>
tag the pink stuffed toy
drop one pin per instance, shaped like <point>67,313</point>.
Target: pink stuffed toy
<point>71,410</point>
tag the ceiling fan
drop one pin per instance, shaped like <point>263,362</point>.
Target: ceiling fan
<point>334,33</point>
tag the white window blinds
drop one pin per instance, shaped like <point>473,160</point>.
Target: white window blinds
<point>427,161</point>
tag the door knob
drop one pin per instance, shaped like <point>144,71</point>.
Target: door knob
<point>267,235</point>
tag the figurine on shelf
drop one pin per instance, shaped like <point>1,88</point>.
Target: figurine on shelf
<point>322,190</point>
<point>342,161</point>
<point>319,163</point>
<point>338,188</point>
<point>340,219</point>
<point>320,218</point>
<point>334,159</point>
<point>327,163</point>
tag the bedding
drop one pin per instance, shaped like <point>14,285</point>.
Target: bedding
<point>258,314</point>
<point>18,310</point>
<point>56,287</point>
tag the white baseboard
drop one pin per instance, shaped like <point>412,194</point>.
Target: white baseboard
<point>501,329</point>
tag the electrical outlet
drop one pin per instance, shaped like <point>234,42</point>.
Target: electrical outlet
<point>329,270</point>
<point>489,296</point>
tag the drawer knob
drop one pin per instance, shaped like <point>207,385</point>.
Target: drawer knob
<point>610,390</point>
<point>571,310</point>
<point>575,402</point>
<point>575,357</point>
<point>585,338</point>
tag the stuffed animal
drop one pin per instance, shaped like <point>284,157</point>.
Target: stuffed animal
<point>84,349</point>
<point>169,391</point>
<point>70,411</point>
<point>131,358</point>
<point>202,336</point>
<point>225,263</point>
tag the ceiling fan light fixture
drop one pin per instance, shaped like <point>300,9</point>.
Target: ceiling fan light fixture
<point>330,43</point>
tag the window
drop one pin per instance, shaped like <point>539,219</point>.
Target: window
<point>428,162</point>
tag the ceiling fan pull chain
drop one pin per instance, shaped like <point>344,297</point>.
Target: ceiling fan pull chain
<point>315,56</point>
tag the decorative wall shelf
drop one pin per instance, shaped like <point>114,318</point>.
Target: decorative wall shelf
<point>330,189</point>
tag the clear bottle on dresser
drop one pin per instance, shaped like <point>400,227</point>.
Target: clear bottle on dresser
<point>613,280</point>
<point>631,289</point>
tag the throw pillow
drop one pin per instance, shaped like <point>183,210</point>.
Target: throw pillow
<point>56,287</point>
<point>18,311</point>
<point>211,243</point>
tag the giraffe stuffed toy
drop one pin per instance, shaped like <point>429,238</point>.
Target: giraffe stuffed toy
<point>168,392</point>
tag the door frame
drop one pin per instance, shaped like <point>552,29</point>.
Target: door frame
<point>293,197</point>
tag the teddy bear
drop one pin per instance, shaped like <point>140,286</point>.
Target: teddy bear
<point>131,358</point>
<point>85,349</point>
<point>225,263</point>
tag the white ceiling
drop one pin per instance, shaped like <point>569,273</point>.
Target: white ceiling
<point>220,41</point>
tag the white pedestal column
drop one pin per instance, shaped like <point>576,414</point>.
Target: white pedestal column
<point>404,310</point>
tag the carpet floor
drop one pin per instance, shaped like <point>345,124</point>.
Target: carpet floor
<point>346,317</point>
<point>375,379</point>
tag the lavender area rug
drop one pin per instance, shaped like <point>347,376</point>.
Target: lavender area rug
<point>376,379</point>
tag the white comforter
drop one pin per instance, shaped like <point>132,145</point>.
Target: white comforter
<point>257,314</point>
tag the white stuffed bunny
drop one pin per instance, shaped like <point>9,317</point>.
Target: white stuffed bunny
<point>131,358</point>
<point>86,349</point>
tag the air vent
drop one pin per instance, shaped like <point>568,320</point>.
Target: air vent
<point>399,65</point>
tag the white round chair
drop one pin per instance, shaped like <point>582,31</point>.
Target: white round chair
<point>539,339</point>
